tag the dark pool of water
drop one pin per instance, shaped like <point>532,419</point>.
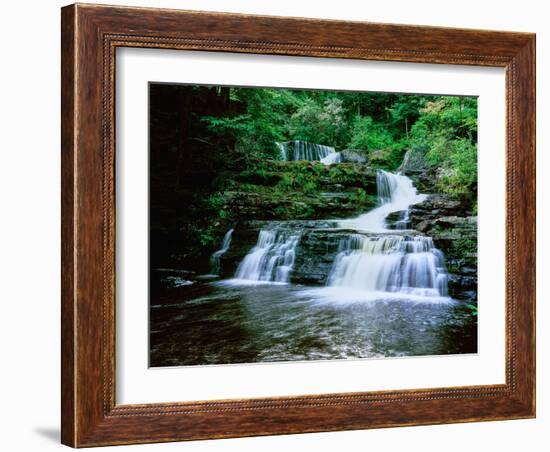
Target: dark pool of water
<point>206,321</point>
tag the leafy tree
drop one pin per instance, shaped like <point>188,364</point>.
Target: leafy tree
<point>366,134</point>
<point>211,143</point>
<point>405,111</point>
<point>319,123</point>
<point>447,128</point>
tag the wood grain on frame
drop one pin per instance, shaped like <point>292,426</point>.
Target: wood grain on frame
<point>90,36</point>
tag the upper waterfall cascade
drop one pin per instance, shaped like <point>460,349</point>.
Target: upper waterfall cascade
<point>304,150</point>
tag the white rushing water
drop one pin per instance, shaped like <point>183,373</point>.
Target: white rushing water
<point>333,157</point>
<point>384,262</point>
<point>304,150</point>
<point>215,258</point>
<point>396,193</point>
<point>271,259</point>
<point>404,264</point>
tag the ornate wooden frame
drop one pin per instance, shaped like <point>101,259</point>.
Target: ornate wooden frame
<point>90,35</point>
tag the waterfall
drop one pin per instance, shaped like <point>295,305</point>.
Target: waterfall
<point>395,193</point>
<point>333,157</point>
<point>304,150</point>
<point>404,264</point>
<point>372,258</point>
<point>271,259</point>
<point>215,258</point>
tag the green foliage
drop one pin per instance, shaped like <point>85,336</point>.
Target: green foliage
<point>260,125</point>
<point>405,110</point>
<point>465,251</point>
<point>385,125</point>
<point>207,233</point>
<point>458,175</point>
<point>473,309</point>
<point>303,178</point>
<point>258,175</point>
<point>231,133</point>
<point>215,202</point>
<point>360,195</point>
<point>447,128</point>
<point>366,134</point>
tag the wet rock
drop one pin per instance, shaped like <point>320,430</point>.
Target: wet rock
<point>315,256</point>
<point>469,270</point>
<point>454,232</point>
<point>423,226</point>
<point>416,167</point>
<point>398,220</point>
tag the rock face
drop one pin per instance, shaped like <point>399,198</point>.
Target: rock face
<point>343,191</point>
<point>316,192</point>
<point>454,233</point>
<point>448,221</point>
<point>318,205</point>
<point>436,206</point>
<point>354,156</point>
<point>418,169</point>
<point>315,256</point>
<point>414,161</point>
<point>315,252</point>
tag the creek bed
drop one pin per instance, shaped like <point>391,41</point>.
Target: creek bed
<point>200,321</point>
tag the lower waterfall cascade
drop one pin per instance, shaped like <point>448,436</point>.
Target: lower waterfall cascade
<point>371,256</point>
<point>404,264</point>
<point>215,258</point>
<point>271,259</point>
<point>392,260</point>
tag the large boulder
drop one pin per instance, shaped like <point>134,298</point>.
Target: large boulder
<point>414,161</point>
<point>416,166</point>
<point>360,156</point>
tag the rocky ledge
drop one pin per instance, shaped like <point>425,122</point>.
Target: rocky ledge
<point>318,245</point>
<point>455,233</point>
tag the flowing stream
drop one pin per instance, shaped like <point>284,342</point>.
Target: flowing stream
<point>384,293</point>
<point>407,265</point>
<point>396,193</point>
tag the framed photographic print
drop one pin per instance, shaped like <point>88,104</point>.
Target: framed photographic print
<point>281,225</point>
